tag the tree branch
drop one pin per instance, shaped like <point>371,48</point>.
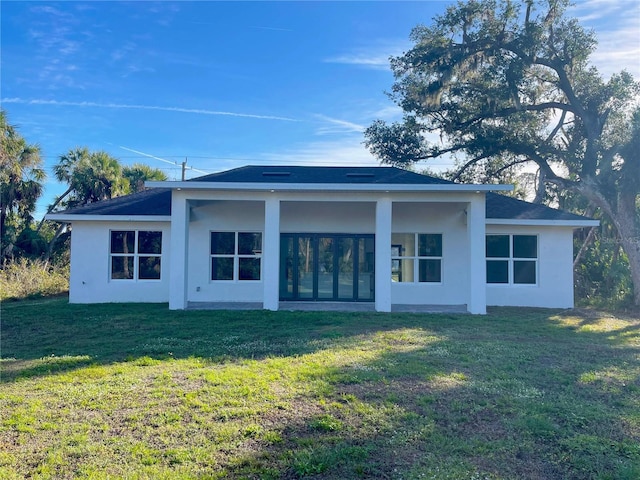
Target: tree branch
<point>505,112</point>
<point>467,165</point>
<point>512,164</point>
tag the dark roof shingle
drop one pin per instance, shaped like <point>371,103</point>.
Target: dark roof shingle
<point>327,175</point>
<point>153,202</point>
<point>503,207</point>
<point>157,201</point>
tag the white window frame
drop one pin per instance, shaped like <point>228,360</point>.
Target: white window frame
<point>236,257</point>
<point>511,260</point>
<point>416,258</point>
<point>136,257</point>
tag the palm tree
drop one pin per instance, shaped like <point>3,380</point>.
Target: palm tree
<point>91,177</point>
<point>98,177</point>
<point>139,173</point>
<point>63,172</point>
<point>21,182</point>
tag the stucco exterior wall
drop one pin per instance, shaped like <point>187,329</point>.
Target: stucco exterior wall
<point>220,215</point>
<point>554,288</point>
<point>90,265</point>
<point>327,217</point>
<point>449,220</point>
<point>90,261</point>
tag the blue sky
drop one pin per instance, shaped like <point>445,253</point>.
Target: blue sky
<point>225,84</point>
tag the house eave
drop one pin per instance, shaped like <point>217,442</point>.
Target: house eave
<point>543,223</point>
<point>106,217</point>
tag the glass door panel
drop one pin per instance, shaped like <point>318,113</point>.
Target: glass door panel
<point>305,267</point>
<point>345,258</point>
<point>326,270</point>
<point>327,267</point>
<point>366,263</point>
<point>286,268</point>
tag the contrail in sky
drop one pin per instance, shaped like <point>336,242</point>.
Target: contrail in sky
<point>199,111</point>
<point>158,158</point>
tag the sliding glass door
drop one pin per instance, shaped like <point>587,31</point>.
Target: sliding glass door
<point>327,267</point>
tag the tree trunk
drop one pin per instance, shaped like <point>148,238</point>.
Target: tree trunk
<point>541,186</point>
<point>584,246</point>
<point>625,219</point>
<point>52,207</point>
<point>629,233</point>
<point>52,243</point>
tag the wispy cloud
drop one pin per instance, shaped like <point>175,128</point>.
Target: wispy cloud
<point>617,28</point>
<point>373,60</point>
<point>337,126</point>
<point>389,113</point>
<point>619,50</point>
<point>375,57</point>
<point>55,33</point>
<point>274,29</point>
<point>347,152</point>
<point>198,111</point>
<point>590,10</point>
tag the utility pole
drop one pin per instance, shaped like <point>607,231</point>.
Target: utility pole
<point>184,167</point>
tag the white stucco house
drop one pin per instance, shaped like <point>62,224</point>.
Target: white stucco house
<point>269,237</point>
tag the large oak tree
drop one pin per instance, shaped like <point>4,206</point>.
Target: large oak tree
<point>503,83</point>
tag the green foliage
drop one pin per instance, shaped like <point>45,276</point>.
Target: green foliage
<point>90,176</point>
<point>139,173</point>
<point>94,176</point>
<point>25,278</point>
<point>602,278</point>
<point>21,178</point>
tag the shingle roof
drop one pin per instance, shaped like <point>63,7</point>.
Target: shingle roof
<point>157,201</point>
<point>503,207</point>
<point>327,175</point>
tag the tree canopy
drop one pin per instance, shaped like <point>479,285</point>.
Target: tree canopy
<point>21,183</point>
<point>138,173</point>
<point>503,83</point>
<point>94,176</point>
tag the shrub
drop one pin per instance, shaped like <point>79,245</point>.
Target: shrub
<point>32,278</point>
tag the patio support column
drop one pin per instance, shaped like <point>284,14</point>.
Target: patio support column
<point>476,220</point>
<point>383,255</point>
<point>178,251</point>
<point>271,254</point>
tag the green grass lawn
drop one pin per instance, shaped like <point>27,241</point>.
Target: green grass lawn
<point>137,391</point>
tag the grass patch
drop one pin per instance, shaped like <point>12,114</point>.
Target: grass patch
<point>137,391</point>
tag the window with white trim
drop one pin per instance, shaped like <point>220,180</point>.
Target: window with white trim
<point>236,256</point>
<point>135,255</point>
<point>416,257</point>
<point>512,259</point>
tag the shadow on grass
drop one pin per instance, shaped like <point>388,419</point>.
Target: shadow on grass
<point>51,336</point>
<point>491,406</point>
<point>520,393</point>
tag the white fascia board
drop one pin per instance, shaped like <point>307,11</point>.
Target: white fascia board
<point>335,187</point>
<point>107,218</point>
<point>544,223</point>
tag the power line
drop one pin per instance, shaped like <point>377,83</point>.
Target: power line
<point>183,165</point>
